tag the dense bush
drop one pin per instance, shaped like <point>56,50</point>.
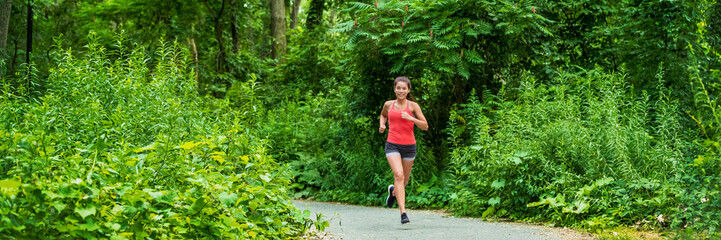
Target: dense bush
<point>583,151</point>
<point>117,150</point>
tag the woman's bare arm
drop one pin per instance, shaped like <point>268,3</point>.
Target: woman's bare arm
<point>419,119</point>
<point>383,118</point>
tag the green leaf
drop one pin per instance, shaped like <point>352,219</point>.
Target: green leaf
<point>521,154</point>
<point>231,222</point>
<point>265,177</point>
<point>474,57</point>
<point>253,205</point>
<point>423,188</point>
<point>545,201</point>
<point>498,183</point>
<point>155,195</point>
<point>305,214</point>
<point>146,148</point>
<point>131,162</point>
<point>198,181</point>
<point>84,212</point>
<point>59,206</point>
<point>189,145</point>
<point>585,190</point>
<point>168,198</point>
<point>112,225</point>
<point>198,205</point>
<point>577,208</point>
<point>494,201</point>
<point>557,201</point>
<point>515,160</point>
<point>9,184</point>
<point>488,212</point>
<point>227,199</point>
<point>121,236</point>
<point>89,225</point>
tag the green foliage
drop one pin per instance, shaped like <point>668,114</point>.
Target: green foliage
<point>664,31</point>
<point>313,63</point>
<point>118,150</point>
<point>468,39</point>
<point>713,26</point>
<point>302,132</point>
<point>121,136</point>
<point>584,151</point>
<point>215,31</point>
<point>702,176</point>
<point>591,149</point>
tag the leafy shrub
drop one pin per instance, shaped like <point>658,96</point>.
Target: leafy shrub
<point>584,151</point>
<point>302,128</point>
<point>117,150</point>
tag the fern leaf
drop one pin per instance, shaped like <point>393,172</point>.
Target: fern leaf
<point>343,27</point>
<point>463,70</point>
<point>360,5</point>
<point>397,67</point>
<point>474,57</point>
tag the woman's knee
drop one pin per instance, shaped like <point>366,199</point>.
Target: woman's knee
<point>398,176</point>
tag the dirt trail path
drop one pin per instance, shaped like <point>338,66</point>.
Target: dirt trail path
<point>358,222</point>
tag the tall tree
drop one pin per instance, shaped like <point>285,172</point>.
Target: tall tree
<point>194,52</point>
<point>234,26</point>
<point>294,14</point>
<point>251,38</point>
<point>29,49</point>
<point>5,10</point>
<point>217,17</point>
<point>277,26</point>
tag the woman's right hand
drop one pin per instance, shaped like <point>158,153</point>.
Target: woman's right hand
<point>382,128</point>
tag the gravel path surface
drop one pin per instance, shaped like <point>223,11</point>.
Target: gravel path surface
<point>359,222</point>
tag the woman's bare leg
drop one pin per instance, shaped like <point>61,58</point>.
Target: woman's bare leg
<point>399,180</point>
<point>407,166</point>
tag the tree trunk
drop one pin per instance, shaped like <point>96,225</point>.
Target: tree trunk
<point>29,49</point>
<point>194,53</point>
<point>277,26</point>
<point>251,38</point>
<point>5,10</point>
<point>234,26</point>
<point>218,19</point>
<point>294,14</point>
<point>234,34</point>
<point>15,55</point>
<point>221,45</point>
<point>315,14</point>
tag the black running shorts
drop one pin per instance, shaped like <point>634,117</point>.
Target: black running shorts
<point>407,152</point>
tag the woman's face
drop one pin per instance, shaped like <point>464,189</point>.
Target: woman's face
<point>401,90</point>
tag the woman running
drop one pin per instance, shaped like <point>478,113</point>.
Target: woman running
<point>401,114</point>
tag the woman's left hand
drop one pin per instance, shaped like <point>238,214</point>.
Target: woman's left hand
<point>406,116</point>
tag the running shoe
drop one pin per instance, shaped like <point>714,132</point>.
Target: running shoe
<point>404,218</point>
<point>390,199</point>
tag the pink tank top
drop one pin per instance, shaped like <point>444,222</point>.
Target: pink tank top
<point>400,131</point>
